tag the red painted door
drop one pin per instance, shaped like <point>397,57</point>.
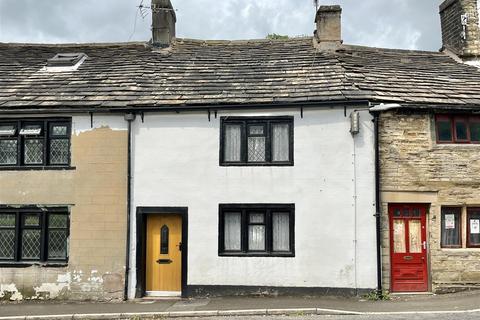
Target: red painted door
<point>408,247</point>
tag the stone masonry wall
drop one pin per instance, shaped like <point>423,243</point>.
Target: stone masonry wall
<point>450,15</point>
<point>95,191</point>
<point>412,163</point>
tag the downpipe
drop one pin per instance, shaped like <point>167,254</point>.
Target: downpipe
<point>129,117</point>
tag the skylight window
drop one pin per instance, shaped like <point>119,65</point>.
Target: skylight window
<point>65,59</point>
<point>65,62</point>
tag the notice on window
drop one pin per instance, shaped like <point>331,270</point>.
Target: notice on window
<point>449,221</point>
<point>475,226</point>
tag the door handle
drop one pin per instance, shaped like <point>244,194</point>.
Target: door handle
<point>164,261</point>
<point>424,245</point>
<point>179,245</point>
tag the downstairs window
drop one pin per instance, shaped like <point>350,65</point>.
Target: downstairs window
<point>473,227</point>
<point>33,235</point>
<point>256,230</point>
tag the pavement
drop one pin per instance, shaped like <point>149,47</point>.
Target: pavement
<point>465,303</point>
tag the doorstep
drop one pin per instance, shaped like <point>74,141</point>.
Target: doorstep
<point>421,293</point>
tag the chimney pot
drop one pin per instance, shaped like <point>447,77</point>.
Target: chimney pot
<point>163,23</point>
<point>328,34</point>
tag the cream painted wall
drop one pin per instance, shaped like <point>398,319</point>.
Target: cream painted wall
<point>95,191</point>
<point>176,163</point>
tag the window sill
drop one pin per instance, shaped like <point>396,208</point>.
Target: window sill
<point>260,254</point>
<point>264,164</point>
<point>460,249</point>
<point>465,146</point>
<point>35,168</point>
<point>6,264</point>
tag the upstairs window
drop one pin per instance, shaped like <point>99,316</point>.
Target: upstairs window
<point>256,141</point>
<point>30,143</point>
<point>457,128</point>
<point>33,235</point>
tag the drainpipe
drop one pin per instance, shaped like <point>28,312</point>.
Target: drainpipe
<point>376,116</point>
<point>130,117</point>
<point>354,130</point>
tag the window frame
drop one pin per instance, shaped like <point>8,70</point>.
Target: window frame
<point>471,211</point>
<point>458,212</point>
<point>454,119</point>
<point>43,214</point>
<point>244,210</point>
<point>245,123</point>
<point>45,135</point>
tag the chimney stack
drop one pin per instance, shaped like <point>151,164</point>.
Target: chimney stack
<point>460,28</point>
<point>163,23</point>
<point>328,34</point>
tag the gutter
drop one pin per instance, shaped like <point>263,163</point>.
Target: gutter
<point>185,107</point>
<point>130,117</point>
<point>245,106</point>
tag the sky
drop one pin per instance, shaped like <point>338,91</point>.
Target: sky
<point>407,24</point>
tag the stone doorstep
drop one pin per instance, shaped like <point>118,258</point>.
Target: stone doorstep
<point>179,314</point>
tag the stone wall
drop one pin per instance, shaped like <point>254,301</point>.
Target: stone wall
<point>95,192</point>
<point>415,169</point>
<point>450,14</point>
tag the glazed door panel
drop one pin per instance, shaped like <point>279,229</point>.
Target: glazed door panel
<point>408,248</point>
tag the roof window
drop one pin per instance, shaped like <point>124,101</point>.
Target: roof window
<point>65,59</point>
<point>65,62</point>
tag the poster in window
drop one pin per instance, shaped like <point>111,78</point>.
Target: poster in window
<point>449,221</point>
<point>475,226</point>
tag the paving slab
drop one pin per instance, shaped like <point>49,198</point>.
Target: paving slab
<point>228,306</point>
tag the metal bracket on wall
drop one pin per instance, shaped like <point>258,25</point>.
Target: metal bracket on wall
<point>142,116</point>
<point>91,120</point>
<point>301,112</point>
<point>208,115</point>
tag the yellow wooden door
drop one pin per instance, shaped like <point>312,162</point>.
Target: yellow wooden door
<point>164,257</point>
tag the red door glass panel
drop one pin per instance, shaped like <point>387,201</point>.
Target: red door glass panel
<point>408,250</point>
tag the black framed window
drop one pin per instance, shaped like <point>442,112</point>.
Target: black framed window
<point>36,142</point>
<point>451,227</point>
<point>256,230</point>
<point>33,235</point>
<point>256,141</point>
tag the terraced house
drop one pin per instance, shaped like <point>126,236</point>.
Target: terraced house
<point>429,155</point>
<point>184,167</point>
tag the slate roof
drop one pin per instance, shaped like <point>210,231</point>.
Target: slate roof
<point>200,73</point>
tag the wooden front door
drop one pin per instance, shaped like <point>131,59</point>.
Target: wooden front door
<point>163,255</point>
<point>408,247</point>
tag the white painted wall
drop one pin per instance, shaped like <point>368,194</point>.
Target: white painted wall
<point>176,163</point>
